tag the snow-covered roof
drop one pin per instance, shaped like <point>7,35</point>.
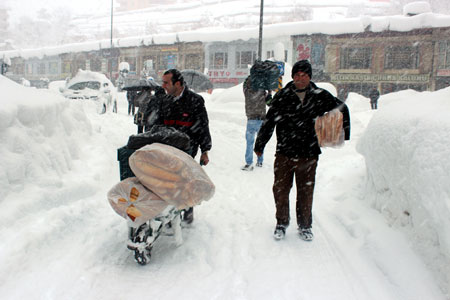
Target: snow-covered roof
<point>273,31</point>
<point>415,8</point>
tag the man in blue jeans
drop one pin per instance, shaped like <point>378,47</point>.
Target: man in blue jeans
<point>255,109</point>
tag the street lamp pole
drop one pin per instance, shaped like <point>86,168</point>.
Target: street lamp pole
<point>260,30</point>
<point>111,45</point>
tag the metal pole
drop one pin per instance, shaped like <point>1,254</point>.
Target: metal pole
<point>111,46</point>
<point>260,31</point>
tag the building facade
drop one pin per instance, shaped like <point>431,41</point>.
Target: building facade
<point>388,60</point>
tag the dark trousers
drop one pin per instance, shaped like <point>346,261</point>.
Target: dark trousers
<point>304,170</point>
<point>131,108</point>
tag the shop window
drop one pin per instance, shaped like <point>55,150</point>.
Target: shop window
<point>35,68</point>
<point>193,61</point>
<point>96,64</point>
<point>149,62</point>
<point>19,69</point>
<point>113,65</point>
<point>395,87</point>
<point>218,60</point>
<point>132,62</point>
<point>53,67</point>
<point>169,61</point>
<point>356,58</point>
<point>401,57</point>
<point>444,55</point>
<point>245,58</point>
<point>65,67</point>
<point>41,68</point>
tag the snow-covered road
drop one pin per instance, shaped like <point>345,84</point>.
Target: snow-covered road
<point>62,240</point>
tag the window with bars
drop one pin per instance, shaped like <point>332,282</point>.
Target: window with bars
<point>245,58</point>
<point>356,58</point>
<point>444,55</point>
<point>401,57</point>
<point>218,60</point>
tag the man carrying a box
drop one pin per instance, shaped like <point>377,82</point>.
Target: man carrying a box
<point>293,112</point>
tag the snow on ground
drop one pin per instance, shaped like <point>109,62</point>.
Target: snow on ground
<point>62,240</point>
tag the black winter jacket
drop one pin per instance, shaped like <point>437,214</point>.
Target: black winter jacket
<point>187,114</point>
<point>294,121</point>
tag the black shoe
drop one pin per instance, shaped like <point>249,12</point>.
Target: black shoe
<point>280,232</point>
<point>247,168</point>
<point>306,234</point>
<point>259,165</point>
<point>188,215</point>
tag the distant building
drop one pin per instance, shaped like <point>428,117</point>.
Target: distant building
<point>126,5</point>
<point>355,55</point>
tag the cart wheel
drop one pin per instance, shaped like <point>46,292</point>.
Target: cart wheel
<point>142,257</point>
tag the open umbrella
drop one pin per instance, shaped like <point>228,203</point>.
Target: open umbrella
<point>196,80</point>
<point>138,84</point>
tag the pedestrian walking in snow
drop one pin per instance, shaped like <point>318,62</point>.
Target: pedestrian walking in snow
<point>374,95</point>
<point>255,110</point>
<point>293,112</point>
<point>185,110</point>
<point>131,96</point>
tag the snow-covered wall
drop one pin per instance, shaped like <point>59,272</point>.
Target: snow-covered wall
<point>408,167</point>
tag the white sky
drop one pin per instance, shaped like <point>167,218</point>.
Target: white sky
<point>30,7</point>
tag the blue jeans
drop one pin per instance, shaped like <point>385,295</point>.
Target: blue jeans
<point>253,127</point>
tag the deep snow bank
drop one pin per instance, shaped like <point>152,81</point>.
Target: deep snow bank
<point>41,127</point>
<point>408,167</point>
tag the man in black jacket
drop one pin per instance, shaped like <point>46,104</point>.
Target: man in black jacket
<point>293,112</point>
<point>185,111</point>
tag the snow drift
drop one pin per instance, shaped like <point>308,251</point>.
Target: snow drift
<point>406,151</point>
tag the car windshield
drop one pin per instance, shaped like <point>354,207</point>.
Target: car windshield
<point>94,85</point>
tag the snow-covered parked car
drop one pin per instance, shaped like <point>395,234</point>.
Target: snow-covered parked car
<point>88,85</point>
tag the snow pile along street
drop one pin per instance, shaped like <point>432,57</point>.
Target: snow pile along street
<point>407,158</point>
<point>62,240</point>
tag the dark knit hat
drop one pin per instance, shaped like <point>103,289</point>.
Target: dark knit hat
<point>303,66</point>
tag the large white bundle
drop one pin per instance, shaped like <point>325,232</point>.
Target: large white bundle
<point>133,201</point>
<point>172,174</point>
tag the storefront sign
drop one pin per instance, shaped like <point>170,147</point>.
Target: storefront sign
<point>379,78</point>
<point>219,74</point>
<point>169,49</point>
<point>443,73</point>
<point>110,52</point>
